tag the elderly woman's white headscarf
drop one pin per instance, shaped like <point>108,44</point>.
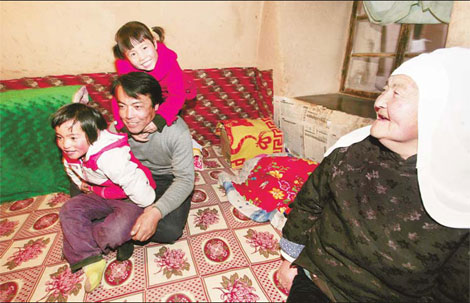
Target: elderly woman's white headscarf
<point>443,160</point>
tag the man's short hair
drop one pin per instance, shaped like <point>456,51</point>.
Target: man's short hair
<point>139,83</point>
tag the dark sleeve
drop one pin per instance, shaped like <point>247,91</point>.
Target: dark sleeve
<point>309,202</point>
<point>452,284</point>
<point>159,122</point>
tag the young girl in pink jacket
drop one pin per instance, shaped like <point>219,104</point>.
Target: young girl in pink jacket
<point>138,49</point>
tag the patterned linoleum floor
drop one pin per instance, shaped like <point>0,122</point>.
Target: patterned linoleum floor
<point>221,257</point>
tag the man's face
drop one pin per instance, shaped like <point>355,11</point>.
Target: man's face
<point>136,113</point>
<point>397,111</point>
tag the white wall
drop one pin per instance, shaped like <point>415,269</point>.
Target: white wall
<point>43,38</point>
<point>303,42</point>
<point>459,26</point>
<point>306,43</point>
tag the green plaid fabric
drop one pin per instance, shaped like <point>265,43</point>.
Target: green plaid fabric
<point>30,162</point>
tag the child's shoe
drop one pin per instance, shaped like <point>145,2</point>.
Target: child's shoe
<point>94,273</point>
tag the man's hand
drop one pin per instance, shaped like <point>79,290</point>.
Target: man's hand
<point>143,135</point>
<point>146,224</point>
<point>286,274</point>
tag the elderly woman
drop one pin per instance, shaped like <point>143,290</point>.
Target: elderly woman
<point>358,230</point>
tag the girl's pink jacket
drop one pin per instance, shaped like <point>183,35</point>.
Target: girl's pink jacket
<point>175,86</point>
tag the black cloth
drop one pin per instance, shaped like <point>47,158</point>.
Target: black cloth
<point>170,228</point>
<point>304,290</point>
<point>367,235</point>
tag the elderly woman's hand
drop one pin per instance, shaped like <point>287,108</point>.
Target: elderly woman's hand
<point>286,274</point>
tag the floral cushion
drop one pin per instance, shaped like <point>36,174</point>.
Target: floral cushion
<point>266,185</point>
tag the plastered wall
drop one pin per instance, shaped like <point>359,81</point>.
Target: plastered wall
<point>49,37</point>
<point>303,42</point>
<point>459,26</point>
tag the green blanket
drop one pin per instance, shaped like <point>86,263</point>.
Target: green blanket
<point>30,162</point>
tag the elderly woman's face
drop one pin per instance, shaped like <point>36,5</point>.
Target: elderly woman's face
<point>397,111</point>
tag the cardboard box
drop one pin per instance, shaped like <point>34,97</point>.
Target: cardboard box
<point>243,139</point>
<point>310,129</point>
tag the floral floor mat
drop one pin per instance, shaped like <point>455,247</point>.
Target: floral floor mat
<point>222,256</point>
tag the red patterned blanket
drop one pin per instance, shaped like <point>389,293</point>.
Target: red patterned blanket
<point>223,93</point>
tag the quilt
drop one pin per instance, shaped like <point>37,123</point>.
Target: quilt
<point>266,186</point>
<point>30,162</point>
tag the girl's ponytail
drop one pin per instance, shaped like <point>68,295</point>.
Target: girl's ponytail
<point>135,30</point>
<point>117,52</point>
<point>160,33</point>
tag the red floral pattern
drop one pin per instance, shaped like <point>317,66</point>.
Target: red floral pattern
<point>8,291</point>
<point>275,181</point>
<point>198,196</point>
<point>21,204</point>
<point>236,289</point>
<point>63,283</point>
<point>206,217</point>
<point>45,221</point>
<point>59,198</point>
<point>215,174</point>
<point>263,242</point>
<point>196,285</point>
<point>211,164</point>
<point>178,298</point>
<point>171,262</point>
<point>29,251</point>
<point>198,163</point>
<point>216,250</point>
<point>7,227</point>
<point>118,272</point>
<point>205,152</point>
<point>239,215</point>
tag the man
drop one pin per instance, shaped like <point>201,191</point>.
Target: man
<point>168,154</point>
